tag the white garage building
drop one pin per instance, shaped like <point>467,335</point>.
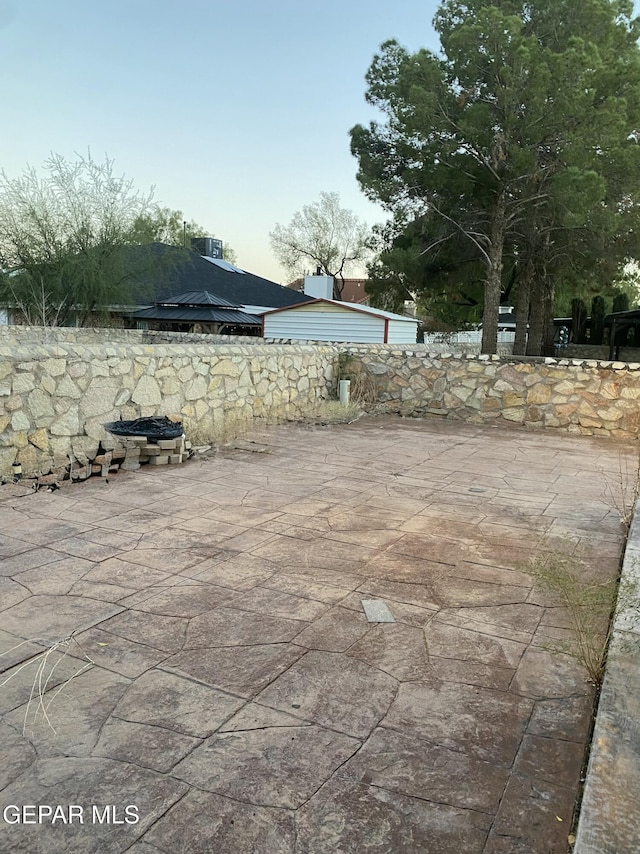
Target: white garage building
<point>330,320</point>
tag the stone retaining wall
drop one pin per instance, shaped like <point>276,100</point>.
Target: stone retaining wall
<point>55,399</point>
<point>21,336</point>
<point>433,347</point>
<point>599,352</point>
<point>609,816</point>
<point>594,398</point>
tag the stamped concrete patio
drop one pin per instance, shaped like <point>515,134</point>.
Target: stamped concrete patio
<point>227,683</point>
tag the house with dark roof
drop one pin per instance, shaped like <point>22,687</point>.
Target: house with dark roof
<point>159,271</point>
<point>156,275</point>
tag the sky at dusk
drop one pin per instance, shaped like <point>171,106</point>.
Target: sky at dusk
<point>237,113</point>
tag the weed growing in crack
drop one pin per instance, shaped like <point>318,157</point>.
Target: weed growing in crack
<point>46,664</point>
<point>622,487</point>
<point>589,605</point>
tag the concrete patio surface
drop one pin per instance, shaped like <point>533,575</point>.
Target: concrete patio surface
<point>189,643</point>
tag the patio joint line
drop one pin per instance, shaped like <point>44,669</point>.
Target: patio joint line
<point>291,810</point>
<point>162,815</point>
<point>427,800</point>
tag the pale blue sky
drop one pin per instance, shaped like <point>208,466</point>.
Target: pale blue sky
<point>238,113</point>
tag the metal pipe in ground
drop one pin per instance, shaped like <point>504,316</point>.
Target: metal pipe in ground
<point>345,392</point>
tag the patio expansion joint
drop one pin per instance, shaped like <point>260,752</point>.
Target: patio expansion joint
<point>335,772</point>
<point>162,815</point>
<point>371,627</point>
<point>246,700</point>
<point>374,578</point>
<point>474,607</point>
<point>264,584</point>
<point>180,581</point>
<point>259,586</point>
<point>306,721</point>
<point>428,800</point>
<point>161,727</point>
<point>247,645</point>
<point>227,797</point>
<point>531,646</point>
<point>16,580</point>
<point>496,583</point>
<point>151,667</point>
<point>485,629</point>
<point>512,767</point>
<point>377,666</point>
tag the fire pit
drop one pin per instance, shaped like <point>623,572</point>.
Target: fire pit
<point>151,428</point>
<point>158,441</point>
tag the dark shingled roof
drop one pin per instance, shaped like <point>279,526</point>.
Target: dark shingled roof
<point>158,271</point>
<point>197,298</point>
<point>199,314</point>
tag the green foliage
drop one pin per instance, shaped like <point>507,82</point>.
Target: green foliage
<point>514,145</point>
<point>163,225</point>
<point>628,281</point>
<point>446,284</point>
<point>61,236</point>
<point>396,273</point>
<point>589,605</point>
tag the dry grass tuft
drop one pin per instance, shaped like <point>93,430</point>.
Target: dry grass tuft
<point>46,663</point>
<point>589,604</point>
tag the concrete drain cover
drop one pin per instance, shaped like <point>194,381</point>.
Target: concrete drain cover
<point>377,611</point>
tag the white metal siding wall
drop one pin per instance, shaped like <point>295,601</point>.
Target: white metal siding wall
<point>402,332</point>
<point>319,325</point>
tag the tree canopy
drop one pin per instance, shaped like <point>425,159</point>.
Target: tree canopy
<point>61,235</point>
<point>516,146</point>
<point>63,231</point>
<point>163,225</point>
<point>325,236</point>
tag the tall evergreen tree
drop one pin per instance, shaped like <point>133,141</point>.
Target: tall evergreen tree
<point>514,141</point>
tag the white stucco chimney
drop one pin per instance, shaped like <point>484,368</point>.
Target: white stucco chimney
<point>319,287</point>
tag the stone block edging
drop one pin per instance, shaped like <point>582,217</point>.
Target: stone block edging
<point>609,821</point>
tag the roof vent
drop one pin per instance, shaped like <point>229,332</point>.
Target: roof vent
<point>210,247</point>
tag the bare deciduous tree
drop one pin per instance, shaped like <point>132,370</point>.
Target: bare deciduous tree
<point>326,236</point>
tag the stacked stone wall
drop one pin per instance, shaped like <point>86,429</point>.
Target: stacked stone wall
<point>437,347</point>
<point>599,352</point>
<point>55,399</point>
<point>20,336</point>
<point>589,397</point>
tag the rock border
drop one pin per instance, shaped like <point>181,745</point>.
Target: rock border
<point>609,821</point>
